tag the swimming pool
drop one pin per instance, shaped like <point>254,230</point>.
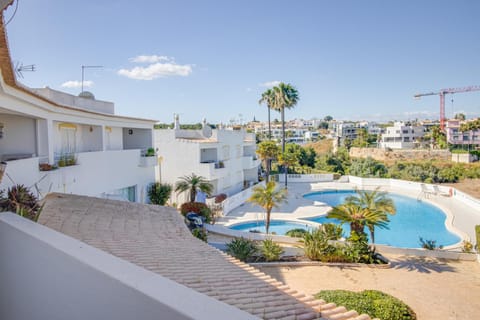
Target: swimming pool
<point>413,219</point>
<point>280,227</point>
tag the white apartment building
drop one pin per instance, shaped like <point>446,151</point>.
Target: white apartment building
<point>44,128</point>
<point>402,136</point>
<point>457,137</point>
<point>225,157</point>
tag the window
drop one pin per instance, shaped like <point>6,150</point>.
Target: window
<point>1,130</point>
<point>68,139</point>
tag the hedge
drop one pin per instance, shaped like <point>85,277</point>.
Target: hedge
<point>372,302</point>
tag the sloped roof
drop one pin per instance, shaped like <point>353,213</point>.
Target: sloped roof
<point>157,239</point>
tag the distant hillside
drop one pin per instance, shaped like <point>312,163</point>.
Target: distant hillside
<point>321,146</point>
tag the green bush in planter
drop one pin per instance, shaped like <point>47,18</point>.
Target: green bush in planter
<point>296,233</point>
<point>270,250</point>
<point>242,249</point>
<point>159,193</point>
<point>372,302</point>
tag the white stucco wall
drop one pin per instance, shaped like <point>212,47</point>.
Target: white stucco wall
<point>114,138</point>
<point>182,156</point>
<point>18,135</point>
<point>47,275</point>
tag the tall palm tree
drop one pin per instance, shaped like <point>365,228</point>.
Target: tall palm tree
<point>358,217</point>
<point>376,201</point>
<point>268,98</point>
<point>267,151</point>
<point>268,197</point>
<point>287,160</point>
<point>285,97</point>
<point>193,183</point>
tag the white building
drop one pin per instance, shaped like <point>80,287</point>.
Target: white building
<point>402,136</point>
<point>44,128</point>
<point>224,157</point>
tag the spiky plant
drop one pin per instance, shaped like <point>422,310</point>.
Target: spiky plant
<point>21,200</point>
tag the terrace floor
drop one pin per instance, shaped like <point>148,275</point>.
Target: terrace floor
<point>433,288</point>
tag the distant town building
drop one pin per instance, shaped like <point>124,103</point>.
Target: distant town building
<point>402,136</point>
<point>457,137</point>
<point>225,157</point>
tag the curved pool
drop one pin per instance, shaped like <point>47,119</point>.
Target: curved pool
<point>279,227</point>
<point>414,219</point>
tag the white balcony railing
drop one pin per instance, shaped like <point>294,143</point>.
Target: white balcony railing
<point>249,162</point>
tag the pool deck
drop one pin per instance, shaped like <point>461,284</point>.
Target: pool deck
<point>461,218</point>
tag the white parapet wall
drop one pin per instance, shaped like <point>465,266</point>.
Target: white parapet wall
<point>317,177</point>
<point>238,199</point>
<point>47,275</point>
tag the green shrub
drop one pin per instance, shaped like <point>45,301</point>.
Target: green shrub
<point>242,249</point>
<point>357,249</point>
<point>372,302</point>
<point>333,231</point>
<point>316,246</point>
<point>296,233</point>
<point>150,152</point>
<point>467,246</point>
<point>159,193</point>
<point>200,233</point>
<point>429,244</point>
<point>20,200</point>
<point>199,208</point>
<point>270,250</point>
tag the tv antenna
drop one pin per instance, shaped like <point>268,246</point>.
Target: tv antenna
<point>19,68</point>
<point>83,71</point>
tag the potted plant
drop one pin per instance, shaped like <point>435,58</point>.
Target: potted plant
<point>150,152</point>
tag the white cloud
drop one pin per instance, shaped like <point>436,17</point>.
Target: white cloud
<point>156,70</point>
<point>270,84</point>
<point>157,67</point>
<point>150,59</point>
<point>76,84</point>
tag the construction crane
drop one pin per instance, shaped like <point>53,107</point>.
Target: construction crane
<point>442,94</point>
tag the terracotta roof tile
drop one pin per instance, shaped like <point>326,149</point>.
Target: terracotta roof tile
<point>156,239</point>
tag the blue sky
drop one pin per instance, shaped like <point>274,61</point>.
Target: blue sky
<point>348,59</point>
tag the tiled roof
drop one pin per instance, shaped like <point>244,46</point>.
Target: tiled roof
<point>156,238</point>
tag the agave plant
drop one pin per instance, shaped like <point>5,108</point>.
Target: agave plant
<point>22,201</point>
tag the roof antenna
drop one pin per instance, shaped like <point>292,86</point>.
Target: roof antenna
<point>83,71</point>
<point>19,68</point>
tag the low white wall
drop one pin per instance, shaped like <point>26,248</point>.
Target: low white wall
<point>318,177</point>
<point>95,173</point>
<point>238,199</point>
<point>47,275</point>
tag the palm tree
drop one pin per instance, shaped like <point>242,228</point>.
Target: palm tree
<point>194,183</point>
<point>358,217</point>
<point>268,98</point>
<point>287,159</point>
<point>267,150</point>
<point>376,201</point>
<point>285,96</point>
<point>268,197</point>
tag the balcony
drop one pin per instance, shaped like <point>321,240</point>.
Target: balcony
<point>249,162</point>
<point>212,170</point>
<point>148,161</point>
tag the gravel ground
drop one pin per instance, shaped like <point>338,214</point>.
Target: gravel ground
<point>433,288</point>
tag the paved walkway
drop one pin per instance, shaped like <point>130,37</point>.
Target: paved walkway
<point>156,238</point>
<point>434,289</point>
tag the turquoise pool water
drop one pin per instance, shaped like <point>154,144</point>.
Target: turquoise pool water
<point>280,227</point>
<point>413,219</point>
